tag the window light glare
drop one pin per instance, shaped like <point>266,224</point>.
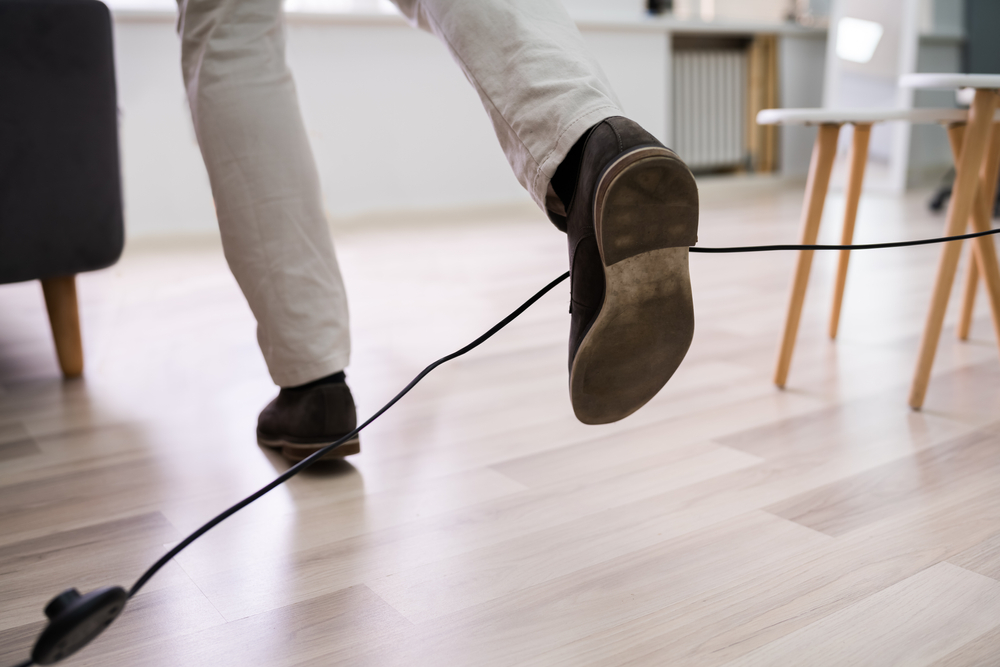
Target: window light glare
<point>857,39</point>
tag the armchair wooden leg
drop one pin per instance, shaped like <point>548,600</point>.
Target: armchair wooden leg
<point>855,177</point>
<point>824,152</point>
<point>60,301</point>
<point>973,145</point>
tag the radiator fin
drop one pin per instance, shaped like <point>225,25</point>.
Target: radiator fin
<point>710,102</point>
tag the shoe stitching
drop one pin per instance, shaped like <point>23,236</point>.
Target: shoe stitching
<point>579,170</point>
<point>621,145</point>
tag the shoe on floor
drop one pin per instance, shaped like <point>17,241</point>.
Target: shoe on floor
<point>302,420</point>
<point>631,219</point>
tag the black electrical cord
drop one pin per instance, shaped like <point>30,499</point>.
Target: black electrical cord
<point>864,246</point>
<point>305,463</point>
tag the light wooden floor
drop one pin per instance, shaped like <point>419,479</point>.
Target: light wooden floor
<point>727,523</point>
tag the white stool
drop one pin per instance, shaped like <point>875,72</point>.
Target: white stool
<point>824,153</point>
<point>976,147</point>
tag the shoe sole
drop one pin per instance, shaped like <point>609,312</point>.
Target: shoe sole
<point>296,451</point>
<point>645,216</point>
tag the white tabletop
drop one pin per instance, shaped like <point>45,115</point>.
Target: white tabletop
<point>950,81</point>
<point>838,116</point>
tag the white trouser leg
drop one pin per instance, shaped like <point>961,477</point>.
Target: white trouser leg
<point>527,60</point>
<point>264,181</point>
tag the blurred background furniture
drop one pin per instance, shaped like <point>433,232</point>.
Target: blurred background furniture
<point>60,192</point>
<point>976,147</point>
<point>979,56</point>
<point>830,122</point>
<point>871,44</point>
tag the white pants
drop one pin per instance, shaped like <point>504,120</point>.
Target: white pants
<point>527,61</point>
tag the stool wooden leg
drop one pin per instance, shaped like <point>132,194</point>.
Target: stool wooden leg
<point>984,248</point>
<point>959,208</point>
<point>60,301</point>
<point>824,152</point>
<point>855,176</point>
<point>968,297</point>
<point>987,185</point>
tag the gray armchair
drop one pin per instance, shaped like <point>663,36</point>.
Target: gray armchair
<point>60,192</point>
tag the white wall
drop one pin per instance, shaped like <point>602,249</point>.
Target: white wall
<point>165,185</point>
<point>752,11</point>
<point>394,124</point>
<point>637,64</point>
<point>759,11</point>
<point>628,8</point>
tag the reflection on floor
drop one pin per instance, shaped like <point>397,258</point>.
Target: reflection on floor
<point>727,523</point>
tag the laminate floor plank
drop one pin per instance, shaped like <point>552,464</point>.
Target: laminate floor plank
<point>684,569</point>
<point>449,452</point>
<point>452,583</point>
<point>16,449</point>
<point>727,495</point>
<point>595,455</point>
<point>16,643</point>
<point>911,481</point>
<point>77,450</point>
<point>850,428</point>
<point>112,551</point>
<point>325,625</point>
<point>370,556</point>
<point>913,622</point>
<point>983,651</point>
<point>983,558</point>
<point>13,432</point>
<point>300,524</point>
<point>500,570</point>
<point>171,611</point>
<point>797,587</point>
<point>789,592</point>
<point>39,506</point>
<point>50,406</point>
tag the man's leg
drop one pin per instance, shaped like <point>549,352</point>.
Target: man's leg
<point>628,204</point>
<point>268,202</point>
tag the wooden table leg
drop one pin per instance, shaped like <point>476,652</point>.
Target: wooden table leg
<point>855,177</point>
<point>961,204</point>
<point>824,152</point>
<point>60,301</point>
<point>988,184</point>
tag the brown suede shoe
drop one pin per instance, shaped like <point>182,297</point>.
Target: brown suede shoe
<point>633,215</point>
<point>300,421</point>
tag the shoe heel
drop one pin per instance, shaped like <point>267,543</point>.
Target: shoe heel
<point>296,452</point>
<point>646,200</point>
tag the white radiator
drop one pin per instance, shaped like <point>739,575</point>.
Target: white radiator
<point>710,107</point>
